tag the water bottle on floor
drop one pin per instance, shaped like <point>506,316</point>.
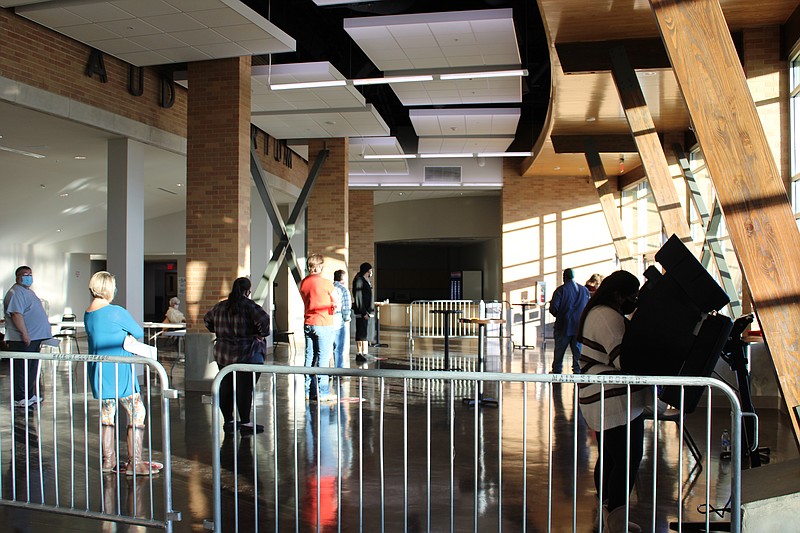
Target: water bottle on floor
<point>725,448</point>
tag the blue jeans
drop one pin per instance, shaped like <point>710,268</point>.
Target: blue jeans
<point>341,342</point>
<point>319,350</point>
<point>562,341</point>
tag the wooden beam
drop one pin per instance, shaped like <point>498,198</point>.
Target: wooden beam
<point>757,211</point>
<point>649,146</point>
<point>576,144</point>
<point>605,192</point>
<point>644,54</point>
<point>632,177</point>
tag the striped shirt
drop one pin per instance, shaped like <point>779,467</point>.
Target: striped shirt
<point>601,339</point>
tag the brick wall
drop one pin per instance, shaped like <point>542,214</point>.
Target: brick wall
<point>218,182</point>
<point>266,150</point>
<point>362,231</point>
<point>326,229</point>
<point>767,77</point>
<point>42,58</point>
<point>550,224</point>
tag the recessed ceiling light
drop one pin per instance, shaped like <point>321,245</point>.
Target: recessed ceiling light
<point>80,157</point>
<point>42,185</point>
<point>179,184</point>
<point>64,194</point>
<point>58,230</point>
<point>400,193</point>
<point>330,122</point>
<point>591,119</point>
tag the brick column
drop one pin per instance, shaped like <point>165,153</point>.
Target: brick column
<point>217,182</point>
<point>362,231</point>
<point>326,229</point>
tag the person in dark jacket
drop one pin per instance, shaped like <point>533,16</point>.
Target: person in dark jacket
<point>567,305</point>
<point>241,326</point>
<point>363,310</point>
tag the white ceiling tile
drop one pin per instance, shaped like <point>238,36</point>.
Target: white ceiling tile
<point>184,54</point>
<point>177,22</point>
<point>89,33</point>
<point>193,5</point>
<point>241,32</point>
<point>161,41</point>
<point>59,18</point>
<point>99,12</point>
<point>219,17</point>
<point>145,8</point>
<point>429,63</point>
<point>461,51</point>
<point>396,64</point>
<point>222,50</point>
<point>116,47</point>
<point>144,58</point>
<point>199,37</point>
<point>264,45</point>
<point>130,28</point>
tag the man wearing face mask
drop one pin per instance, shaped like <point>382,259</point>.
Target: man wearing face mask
<point>26,327</point>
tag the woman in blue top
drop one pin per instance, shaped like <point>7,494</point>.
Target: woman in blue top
<point>107,326</point>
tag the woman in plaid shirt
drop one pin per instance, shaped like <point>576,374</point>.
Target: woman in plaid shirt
<point>241,326</point>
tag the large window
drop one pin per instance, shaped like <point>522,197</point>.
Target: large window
<point>698,166</point>
<point>641,223</point>
<point>794,108</point>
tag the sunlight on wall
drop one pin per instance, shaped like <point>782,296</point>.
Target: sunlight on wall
<point>196,271</point>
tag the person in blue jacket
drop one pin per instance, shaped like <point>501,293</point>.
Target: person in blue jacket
<point>567,305</point>
<point>107,326</point>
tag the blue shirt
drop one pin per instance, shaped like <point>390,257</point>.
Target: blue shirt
<point>24,301</point>
<point>106,329</point>
<point>347,304</point>
<point>567,306</point>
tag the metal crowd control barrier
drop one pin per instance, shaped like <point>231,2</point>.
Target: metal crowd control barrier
<point>53,444</point>
<point>425,324</point>
<point>344,466</point>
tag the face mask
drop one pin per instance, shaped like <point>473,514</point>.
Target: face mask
<point>26,281</point>
<point>629,305</point>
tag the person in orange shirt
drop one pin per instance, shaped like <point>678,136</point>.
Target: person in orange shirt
<point>318,300</point>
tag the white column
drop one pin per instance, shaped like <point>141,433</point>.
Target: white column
<point>125,246</point>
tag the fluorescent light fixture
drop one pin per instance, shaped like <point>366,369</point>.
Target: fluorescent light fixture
<point>504,154</point>
<point>445,156</point>
<point>363,184</point>
<point>487,74</point>
<point>406,185</point>
<point>392,79</point>
<point>390,156</point>
<point>481,184</point>
<point>21,152</point>
<point>308,85</point>
<point>442,185</point>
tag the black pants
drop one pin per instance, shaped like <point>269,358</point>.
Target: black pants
<point>20,366</point>
<point>615,459</point>
<point>244,395</point>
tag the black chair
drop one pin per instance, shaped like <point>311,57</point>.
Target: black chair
<point>67,333</point>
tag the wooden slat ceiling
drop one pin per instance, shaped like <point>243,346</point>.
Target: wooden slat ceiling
<point>588,103</point>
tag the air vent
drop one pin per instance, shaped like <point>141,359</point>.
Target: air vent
<point>444,175</point>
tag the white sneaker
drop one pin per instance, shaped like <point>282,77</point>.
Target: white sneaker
<point>21,403</point>
<point>34,400</point>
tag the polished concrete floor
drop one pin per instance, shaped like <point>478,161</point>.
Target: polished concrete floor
<point>375,440</point>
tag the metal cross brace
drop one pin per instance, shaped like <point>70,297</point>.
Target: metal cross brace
<point>285,230</point>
